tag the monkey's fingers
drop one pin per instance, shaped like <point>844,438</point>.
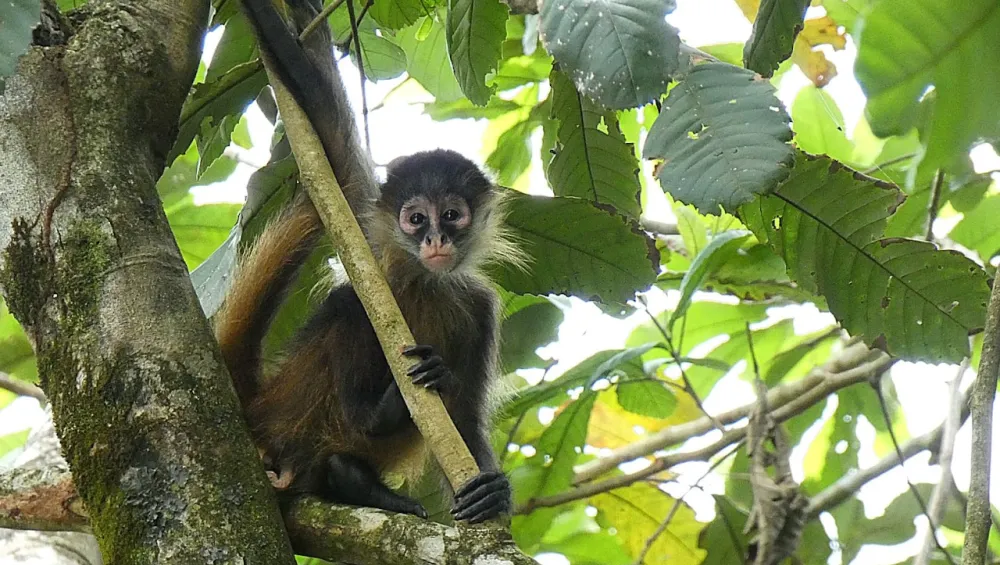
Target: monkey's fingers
<point>485,496</point>
<point>432,362</point>
<point>423,351</point>
<point>435,379</point>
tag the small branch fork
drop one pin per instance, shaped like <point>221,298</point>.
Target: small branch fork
<point>855,364</point>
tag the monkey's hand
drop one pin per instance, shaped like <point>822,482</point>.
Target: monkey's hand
<point>484,497</point>
<point>430,372</point>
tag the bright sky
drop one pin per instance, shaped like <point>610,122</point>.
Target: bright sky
<point>399,127</point>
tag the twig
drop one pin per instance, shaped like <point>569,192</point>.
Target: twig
<point>854,356</point>
<point>877,362</point>
<point>21,388</point>
<point>361,69</point>
<point>934,204</point>
<point>688,387</point>
<point>942,491</point>
<point>977,529</point>
<point>913,488</point>
<point>847,485</point>
<point>320,19</point>
<point>677,504</point>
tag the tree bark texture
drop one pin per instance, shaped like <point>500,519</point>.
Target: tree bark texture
<point>144,408</point>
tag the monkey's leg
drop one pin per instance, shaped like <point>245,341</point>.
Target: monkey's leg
<point>353,481</point>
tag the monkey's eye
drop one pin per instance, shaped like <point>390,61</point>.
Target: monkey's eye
<point>450,215</point>
<point>417,218</point>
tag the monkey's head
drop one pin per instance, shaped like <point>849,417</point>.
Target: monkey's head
<point>444,210</point>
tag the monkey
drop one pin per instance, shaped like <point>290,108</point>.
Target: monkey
<point>331,418</point>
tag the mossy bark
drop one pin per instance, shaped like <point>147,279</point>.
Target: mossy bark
<point>144,408</point>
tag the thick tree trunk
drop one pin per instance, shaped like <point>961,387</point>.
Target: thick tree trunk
<point>144,408</point>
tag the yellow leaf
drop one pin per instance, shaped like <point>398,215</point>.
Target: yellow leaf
<point>814,64</point>
<point>749,8</point>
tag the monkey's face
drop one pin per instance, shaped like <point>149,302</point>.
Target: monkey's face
<point>437,228</point>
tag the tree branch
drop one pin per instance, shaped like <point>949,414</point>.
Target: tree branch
<point>21,388</point>
<point>856,361</point>
<point>942,491</point>
<point>974,550</point>
<point>875,363</point>
<point>850,484</point>
<point>46,500</point>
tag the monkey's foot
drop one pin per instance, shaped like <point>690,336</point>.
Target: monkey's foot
<point>484,497</point>
<point>431,372</point>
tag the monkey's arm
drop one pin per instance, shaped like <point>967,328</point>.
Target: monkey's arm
<point>389,414</point>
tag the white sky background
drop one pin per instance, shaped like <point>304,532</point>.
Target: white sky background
<point>399,127</point>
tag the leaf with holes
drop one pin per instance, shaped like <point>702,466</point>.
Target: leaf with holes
<point>620,53</point>
<point>903,295</point>
<point>475,31</point>
<point>577,249</point>
<point>905,46</point>
<point>773,36</point>
<point>589,163</point>
<point>723,138</point>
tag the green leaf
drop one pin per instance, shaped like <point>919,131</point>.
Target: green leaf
<point>637,511</point>
<point>383,59</point>
<point>589,163</point>
<point>237,46</point>
<point>18,19</point>
<point>819,125</point>
<point>427,60</point>
<point>531,326</point>
<point>721,249</point>
<point>268,189</point>
<point>773,35</point>
<point>826,223</point>
<point>978,229</point>
<point>577,249</point>
<point>512,155</point>
<point>523,69</point>
<point>723,538</point>
<point>588,371</point>
<point>723,137</point>
<point>13,441</point>
<point>199,230</point>
<point>396,14</point>
<point>905,46</point>
<point>213,101</point>
<point>620,53</point>
<point>646,397</point>
<point>476,30</point>
<point>17,358</point>
<point>846,12</point>
<point>704,321</point>
<point>560,444</point>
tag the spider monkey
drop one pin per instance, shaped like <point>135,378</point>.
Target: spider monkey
<point>331,418</point>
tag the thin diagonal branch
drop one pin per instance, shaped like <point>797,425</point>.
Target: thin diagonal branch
<point>977,530</point>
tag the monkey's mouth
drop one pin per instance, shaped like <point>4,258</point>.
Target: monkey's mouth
<point>438,261</point>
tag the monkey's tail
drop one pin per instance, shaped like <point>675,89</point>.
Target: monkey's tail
<point>308,69</point>
<point>258,288</point>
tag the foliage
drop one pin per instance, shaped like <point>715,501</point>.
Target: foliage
<point>767,206</point>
